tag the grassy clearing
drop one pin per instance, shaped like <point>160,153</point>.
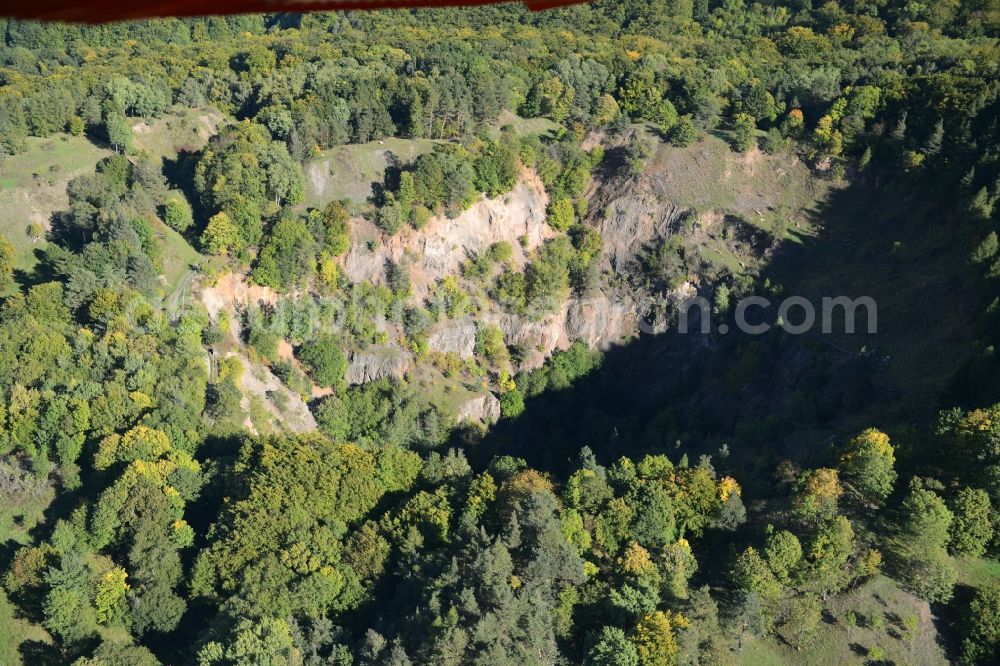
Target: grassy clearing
<point>178,277</point>
<point>177,256</point>
<point>524,126</point>
<point>180,130</point>
<point>446,393</point>
<point>54,158</point>
<point>882,609</point>
<point>348,172</point>
<point>775,192</point>
<point>719,257</point>
<point>33,187</point>
<point>14,631</point>
<point>976,572</point>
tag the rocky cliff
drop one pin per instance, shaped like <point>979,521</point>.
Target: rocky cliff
<point>635,212</point>
<point>438,250</point>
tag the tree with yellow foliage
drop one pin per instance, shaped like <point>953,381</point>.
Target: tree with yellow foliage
<point>655,638</point>
<point>110,597</point>
<point>637,561</point>
<point>817,494</point>
<point>525,483</point>
<point>221,235</point>
<point>826,138</point>
<point>867,465</point>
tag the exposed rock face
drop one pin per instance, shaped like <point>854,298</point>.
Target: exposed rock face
<point>377,363</point>
<point>632,218</point>
<point>453,337</point>
<point>439,249</point>
<point>233,289</point>
<point>703,195</point>
<point>599,320</point>
<point>544,335</point>
<point>258,381</point>
<point>485,408</point>
<point>360,263</point>
<point>627,214</point>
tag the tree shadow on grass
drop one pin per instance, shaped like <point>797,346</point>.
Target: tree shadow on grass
<point>39,653</point>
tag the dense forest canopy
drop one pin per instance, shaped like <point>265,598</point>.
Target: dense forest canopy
<point>164,500</point>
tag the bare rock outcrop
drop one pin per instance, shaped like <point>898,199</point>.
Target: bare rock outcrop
<point>382,362</point>
<point>599,320</point>
<point>453,337</point>
<point>485,408</point>
<point>631,219</point>
<point>259,381</point>
<point>439,249</point>
<point>538,339</point>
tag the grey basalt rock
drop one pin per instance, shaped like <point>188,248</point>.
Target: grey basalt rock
<point>453,337</point>
<point>382,362</point>
<point>485,408</point>
<point>599,321</point>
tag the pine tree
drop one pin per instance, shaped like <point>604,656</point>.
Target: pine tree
<point>935,140</point>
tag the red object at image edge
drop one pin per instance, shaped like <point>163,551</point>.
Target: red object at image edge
<point>101,11</point>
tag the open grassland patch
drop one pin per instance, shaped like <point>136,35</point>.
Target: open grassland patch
<point>886,619</point>
<point>33,187</point>
<point>180,130</point>
<point>349,172</point>
<point>774,192</point>
<point>539,126</point>
<point>15,632</point>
